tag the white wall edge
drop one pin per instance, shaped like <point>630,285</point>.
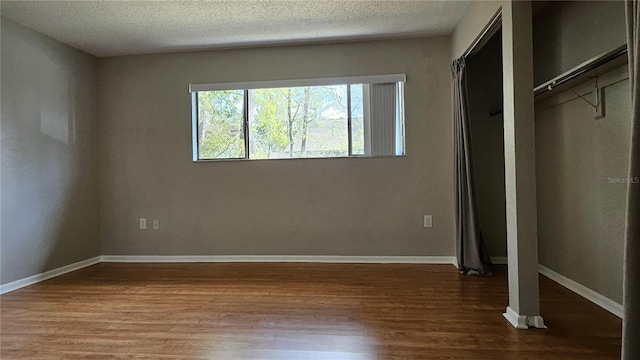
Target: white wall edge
<point>450,260</point>
<point>18,284</point>
<point>596,298</point>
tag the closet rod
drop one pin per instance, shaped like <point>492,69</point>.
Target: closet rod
<point>581,70</point>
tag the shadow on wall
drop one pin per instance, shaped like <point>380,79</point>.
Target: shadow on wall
<point>566,33</point>
<point>57,102</point>
<point>49,155</point>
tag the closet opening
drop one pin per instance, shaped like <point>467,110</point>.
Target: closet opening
<point>485,94</point>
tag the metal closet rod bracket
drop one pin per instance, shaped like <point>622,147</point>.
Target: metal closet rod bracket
<point>598,96</point>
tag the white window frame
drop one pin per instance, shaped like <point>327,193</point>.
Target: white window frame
<point>399,79</point>
<point>368,79</point>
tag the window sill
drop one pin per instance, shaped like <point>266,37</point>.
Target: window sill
<point>309,158</point>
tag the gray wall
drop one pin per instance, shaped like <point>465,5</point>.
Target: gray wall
<point>567,33</point>
<point>485,95</point>
<point>580,212</point>
<point>368,206</point>
<point>49,155</point>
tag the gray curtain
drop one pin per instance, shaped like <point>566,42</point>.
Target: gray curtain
<point>471,252</point>
<point>631,320</point>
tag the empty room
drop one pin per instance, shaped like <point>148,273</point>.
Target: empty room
<point>319,180</point>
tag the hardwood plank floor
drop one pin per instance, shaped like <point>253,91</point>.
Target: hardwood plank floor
<point>293,311</point>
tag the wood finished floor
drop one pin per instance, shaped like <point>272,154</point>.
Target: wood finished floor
<point>293,311</point>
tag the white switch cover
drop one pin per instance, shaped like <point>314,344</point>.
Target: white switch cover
<point>156,224</point>
<point>428,221</point>
<point>143,224</point>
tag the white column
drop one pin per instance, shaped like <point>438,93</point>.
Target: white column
<point>520,175</point>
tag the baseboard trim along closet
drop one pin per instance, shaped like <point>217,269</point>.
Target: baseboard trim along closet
<point>18,284</point>
<point>499,260</point>
<point>283,258</point>
<point>596,298</point>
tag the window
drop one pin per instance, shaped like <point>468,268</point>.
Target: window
<point>312,118</point>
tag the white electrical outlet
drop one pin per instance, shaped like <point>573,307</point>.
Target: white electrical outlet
<point>428,221</point>
<point>156,224</point>
<point>143,224</point>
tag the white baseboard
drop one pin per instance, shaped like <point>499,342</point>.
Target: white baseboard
<point>499,260</point>
<point>15,285</point>
<point>518,321</point>
<point>522,321</point>
<point>596,298</point>
<point>283,258</point>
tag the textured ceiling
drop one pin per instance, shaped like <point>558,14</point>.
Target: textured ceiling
<point>109,28</point>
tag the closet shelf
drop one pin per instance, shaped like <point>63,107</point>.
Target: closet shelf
<point>589,69</point>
